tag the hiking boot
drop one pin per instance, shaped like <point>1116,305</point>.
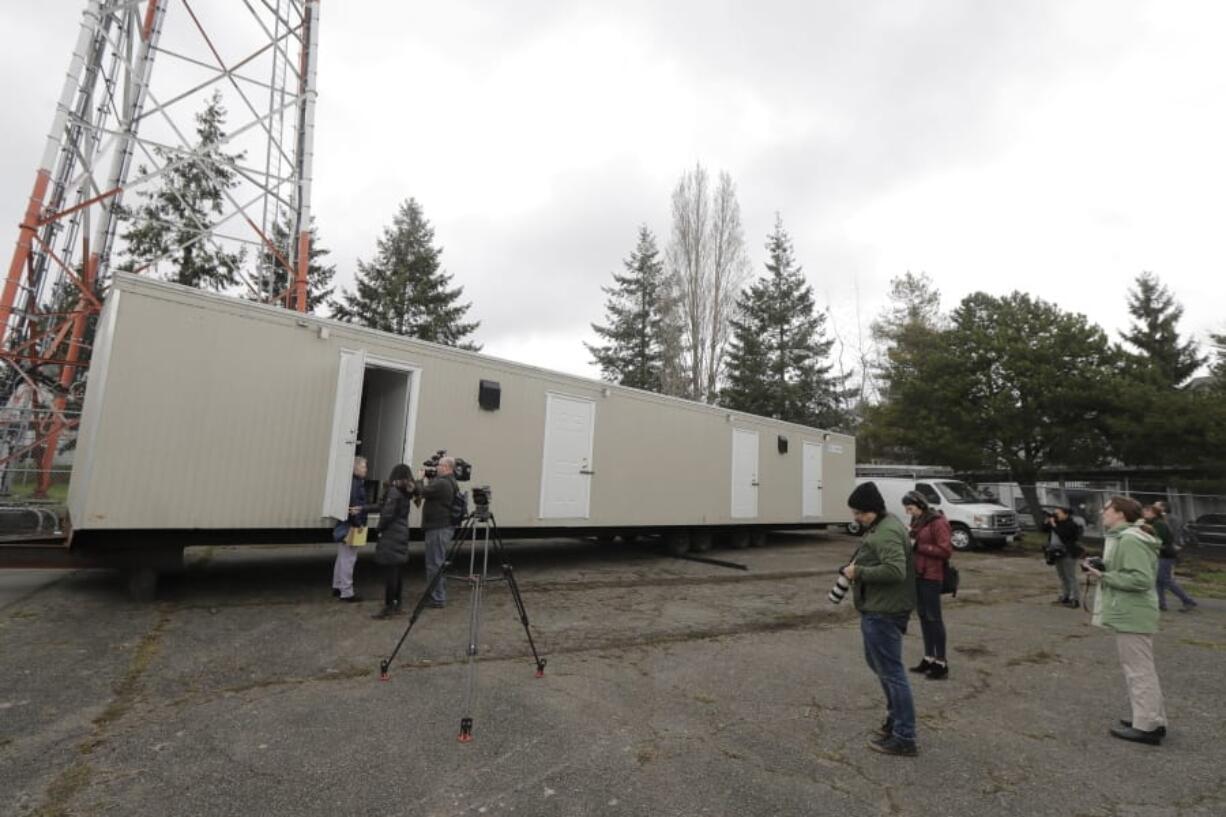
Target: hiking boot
<point>922,666</point>
<point>938,672</point>
<point>894,746</point>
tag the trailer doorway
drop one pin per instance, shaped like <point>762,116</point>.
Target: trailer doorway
<point>374,416</point>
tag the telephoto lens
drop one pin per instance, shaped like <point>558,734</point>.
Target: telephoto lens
<point>839,591</point>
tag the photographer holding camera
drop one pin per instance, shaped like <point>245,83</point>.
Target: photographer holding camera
<point>1063,551</point>
<point>438,488</point>
<point>1127,603</point>
<point>883,586</point>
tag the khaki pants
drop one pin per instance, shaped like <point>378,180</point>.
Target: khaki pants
<point>1137,660</point>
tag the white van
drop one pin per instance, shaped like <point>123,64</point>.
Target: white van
<point>974,519</point>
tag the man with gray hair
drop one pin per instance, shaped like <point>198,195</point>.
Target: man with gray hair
<point>438,494</point>
<point>347,553</point>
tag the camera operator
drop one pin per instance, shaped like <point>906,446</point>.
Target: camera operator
<point>883,587</point>
<point>1063,551</point>
<point>438,492</point>
<point>1127,603</point>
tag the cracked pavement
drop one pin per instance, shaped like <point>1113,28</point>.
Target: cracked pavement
<point>672,688</point>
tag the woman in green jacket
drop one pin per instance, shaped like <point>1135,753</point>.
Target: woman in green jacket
<point>1128,604</point>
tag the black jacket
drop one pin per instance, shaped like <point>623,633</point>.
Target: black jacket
<point>438,494</point>
<point>393,546</point>
<point>1068,533</point>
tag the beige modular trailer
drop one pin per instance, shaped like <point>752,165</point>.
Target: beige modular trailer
<point>213,419</point>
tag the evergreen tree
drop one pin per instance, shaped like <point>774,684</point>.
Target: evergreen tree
<point>273,281</point>
<point>403,290</point>
<point>1164,359</point>
<point>636,312</point>
<point>166,227</point>
<point>776,360</point>
<point>1219,365</point>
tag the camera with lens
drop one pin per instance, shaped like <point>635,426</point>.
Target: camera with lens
<point>839,591</point>
<point>481,501</point>
<point>1053,553</point>
<point>1096,563</point>
<point>463,469</point>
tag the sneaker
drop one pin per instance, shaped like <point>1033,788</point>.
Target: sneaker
<point>922,666</point>
<point>885,730</point>
<point>438,605</point>
<point>938,672</point>
<point>1187,608</point>
<point>1073,604</point>
<point>1160,731</point>
<point>894,746</point>
<point>1153,738</point>
<point>336,592</point>
<point>1061,600</point>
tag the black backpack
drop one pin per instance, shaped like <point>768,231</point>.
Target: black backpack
<point>459,507</point>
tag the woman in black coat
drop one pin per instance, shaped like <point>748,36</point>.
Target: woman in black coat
<point>392,550</point>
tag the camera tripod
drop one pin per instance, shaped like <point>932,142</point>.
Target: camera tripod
<point>480,521</point>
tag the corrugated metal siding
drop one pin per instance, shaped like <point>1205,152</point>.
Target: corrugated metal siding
<point>217,414</point>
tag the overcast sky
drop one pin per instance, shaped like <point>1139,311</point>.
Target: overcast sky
<point>1058,148</point>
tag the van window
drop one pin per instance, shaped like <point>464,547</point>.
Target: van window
<point>925,490</point>
<point>959,493</point>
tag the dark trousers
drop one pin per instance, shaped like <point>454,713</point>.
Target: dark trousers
<point>883,652</point>
<point>392,581</point>
<point>928,594</point>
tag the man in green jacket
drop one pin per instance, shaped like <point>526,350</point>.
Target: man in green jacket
<point>1128,604</point>
<point>883,579</point>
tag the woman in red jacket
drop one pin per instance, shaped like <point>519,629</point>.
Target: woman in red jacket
<point>930,543</point>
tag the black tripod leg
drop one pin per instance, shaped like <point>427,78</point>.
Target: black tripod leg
<point>508,573</point>
<point>421,605</point>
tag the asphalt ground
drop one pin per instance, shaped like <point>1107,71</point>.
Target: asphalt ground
<point>672,688</point>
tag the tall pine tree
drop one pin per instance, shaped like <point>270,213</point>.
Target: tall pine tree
<point>1164,359</point>
<point>272,280</point>
<point>636,312</point>
<point>166,227</point>
<point>404,291</point>
<point>777,359</point>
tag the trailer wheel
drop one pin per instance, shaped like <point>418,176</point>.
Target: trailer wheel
<point>628,538</point>
<point>700,541</point>
<point>757,538</point>
<point>141,583</point>
<point>739,539</point>
<point>677,542</point>
<point>961,539</point>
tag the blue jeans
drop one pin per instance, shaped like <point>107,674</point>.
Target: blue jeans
<point>437,542</point>
<point>883,653</point>
<point>1166,579</point>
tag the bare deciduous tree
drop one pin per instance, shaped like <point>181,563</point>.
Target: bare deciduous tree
<point>708,266</point>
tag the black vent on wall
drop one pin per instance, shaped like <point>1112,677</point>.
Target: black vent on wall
<point>490,395</point>
<point>783,444</point>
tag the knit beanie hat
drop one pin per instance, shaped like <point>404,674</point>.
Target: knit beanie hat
<point>866,498</point>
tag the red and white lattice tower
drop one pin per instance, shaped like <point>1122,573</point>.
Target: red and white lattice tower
<point>119,127</point>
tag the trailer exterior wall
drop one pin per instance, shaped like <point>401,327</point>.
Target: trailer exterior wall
<point>214,412</point>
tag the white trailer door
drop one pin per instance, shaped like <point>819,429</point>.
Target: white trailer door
<point>811,480</point>
<point>744,474</point>
<point>344,433</point>
<point>566,472</point>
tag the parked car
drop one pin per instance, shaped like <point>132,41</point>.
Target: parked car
<point>1208,529</point>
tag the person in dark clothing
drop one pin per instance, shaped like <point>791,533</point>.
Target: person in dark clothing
<point>347,554</point>
<point>436,523</point>
<point>1168,554</point>
<point>930,543</point>
<point>1064,551</point>
<point>392,551</point>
